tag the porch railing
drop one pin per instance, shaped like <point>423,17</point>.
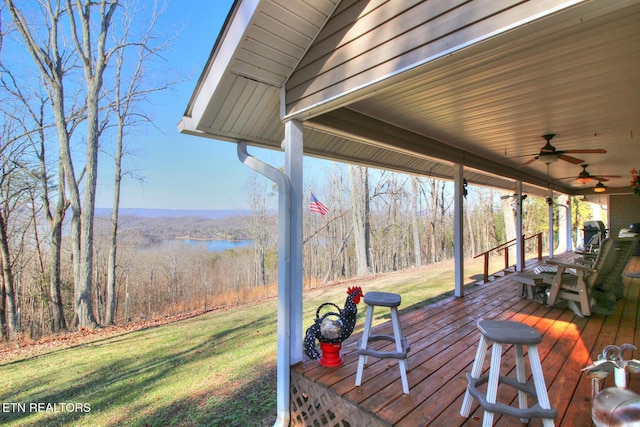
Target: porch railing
<point>505,248</point>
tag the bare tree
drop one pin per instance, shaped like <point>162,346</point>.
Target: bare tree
<point>259,226</point>
<point>10,204</point>
<point>82,36</point>
<point>359,179</point>
<point>415,201</point>
<point>52,58</point>
<point>17,192</point>
<point>34,130</point>
<point>129,92</point>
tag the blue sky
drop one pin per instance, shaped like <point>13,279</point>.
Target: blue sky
<point>176,171</point>
<point>182,171</point>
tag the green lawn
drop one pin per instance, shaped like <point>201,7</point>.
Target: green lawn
<point>217,369</point>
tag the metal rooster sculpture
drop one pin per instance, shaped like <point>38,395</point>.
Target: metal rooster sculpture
<point>332,328</point>
<point>614,406</point>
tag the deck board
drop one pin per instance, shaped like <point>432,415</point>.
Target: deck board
<point>443,338</point>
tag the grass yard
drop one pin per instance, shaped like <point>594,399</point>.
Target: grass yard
<point>216,369</point>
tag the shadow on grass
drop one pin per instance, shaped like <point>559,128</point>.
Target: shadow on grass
<point>252,404</point>
<point>124,387</point>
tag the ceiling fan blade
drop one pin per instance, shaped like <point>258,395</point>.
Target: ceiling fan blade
<point>570,159</point>
<point>523,155</point>
<point>528,162</point>
<point>604,177</point>
<point>587,151</point>
<point>592,177</point>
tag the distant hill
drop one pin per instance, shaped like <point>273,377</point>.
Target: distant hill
<point>161,224</point>
<point>176,213</point>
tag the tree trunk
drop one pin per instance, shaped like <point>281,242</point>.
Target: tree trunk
<point>360,212</point>
<point>415,197</point>
<point>9,287</point>
<point>58,321</point>
<point>471,250</point>
<point>94,60</point>
<point>113,241</point>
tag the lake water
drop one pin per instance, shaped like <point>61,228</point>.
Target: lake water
<point>215,245</point>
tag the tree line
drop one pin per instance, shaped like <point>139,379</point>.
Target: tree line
<point>74,83</point>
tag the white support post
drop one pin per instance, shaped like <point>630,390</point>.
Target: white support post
<point>284,281</point>
<point>293,148</point>
<point>551,239</point>
<point>458,245</point>
<point>519,237</point>
<point>569,225</point>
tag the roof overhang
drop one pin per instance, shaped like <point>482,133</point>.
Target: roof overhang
<point>572,71</point>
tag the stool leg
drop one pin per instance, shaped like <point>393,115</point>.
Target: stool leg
<point>476,370</point>
<point>522,379</point>
<point>363,343</point>
<point>492,385</point>
<point>402,363</point>
<point>538,381</point>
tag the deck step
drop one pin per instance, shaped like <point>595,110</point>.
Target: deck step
<point>498,275</point>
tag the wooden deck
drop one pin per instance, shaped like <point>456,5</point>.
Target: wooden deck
<point>443,339</point>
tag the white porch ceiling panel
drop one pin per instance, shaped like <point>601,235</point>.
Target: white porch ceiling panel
<point>575,74</point>
<point>281,33</point>
<point>238,94</point>
<point>582,84</point>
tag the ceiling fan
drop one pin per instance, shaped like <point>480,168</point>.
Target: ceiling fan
<point>600,187</point>
<point>548,154</point>
<point>584,176</point>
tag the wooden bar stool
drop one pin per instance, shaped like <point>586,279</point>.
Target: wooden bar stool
<point>391,300</point>
<point>497,333</point>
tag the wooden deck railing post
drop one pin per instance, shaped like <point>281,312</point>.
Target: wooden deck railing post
<point>539,246</point>
<point>506,257</point>
<point>485,275</point>
<point>505,247</point>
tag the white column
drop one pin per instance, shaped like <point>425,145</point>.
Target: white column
<point>458,240</point>
<point>550,203</point>
<point>293,148</point>
<point>564,223</point>
<point>519,239</point>
<point>569,225</point>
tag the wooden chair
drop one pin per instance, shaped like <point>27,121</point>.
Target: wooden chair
<point>596,285</point>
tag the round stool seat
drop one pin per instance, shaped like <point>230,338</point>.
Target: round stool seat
<point>508,332</point>
<point>495,334</point>
<point>384,299</point>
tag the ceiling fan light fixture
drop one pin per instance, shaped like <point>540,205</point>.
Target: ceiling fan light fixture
<point>583,179</point>
<point>548,157</point>
<point>584,176</point>
<point>600,187</point>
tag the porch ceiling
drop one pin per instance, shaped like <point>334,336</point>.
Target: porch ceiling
<point>575,74</point>
<point>581,82</point>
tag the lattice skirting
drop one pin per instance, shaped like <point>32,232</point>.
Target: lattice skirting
<point>313,405</point>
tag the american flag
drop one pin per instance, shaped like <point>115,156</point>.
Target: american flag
<point>317,206</point>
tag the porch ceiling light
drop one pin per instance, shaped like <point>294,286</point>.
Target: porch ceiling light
<point>600,187</point>
<point>548,157</point>
<point>584,177</point>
